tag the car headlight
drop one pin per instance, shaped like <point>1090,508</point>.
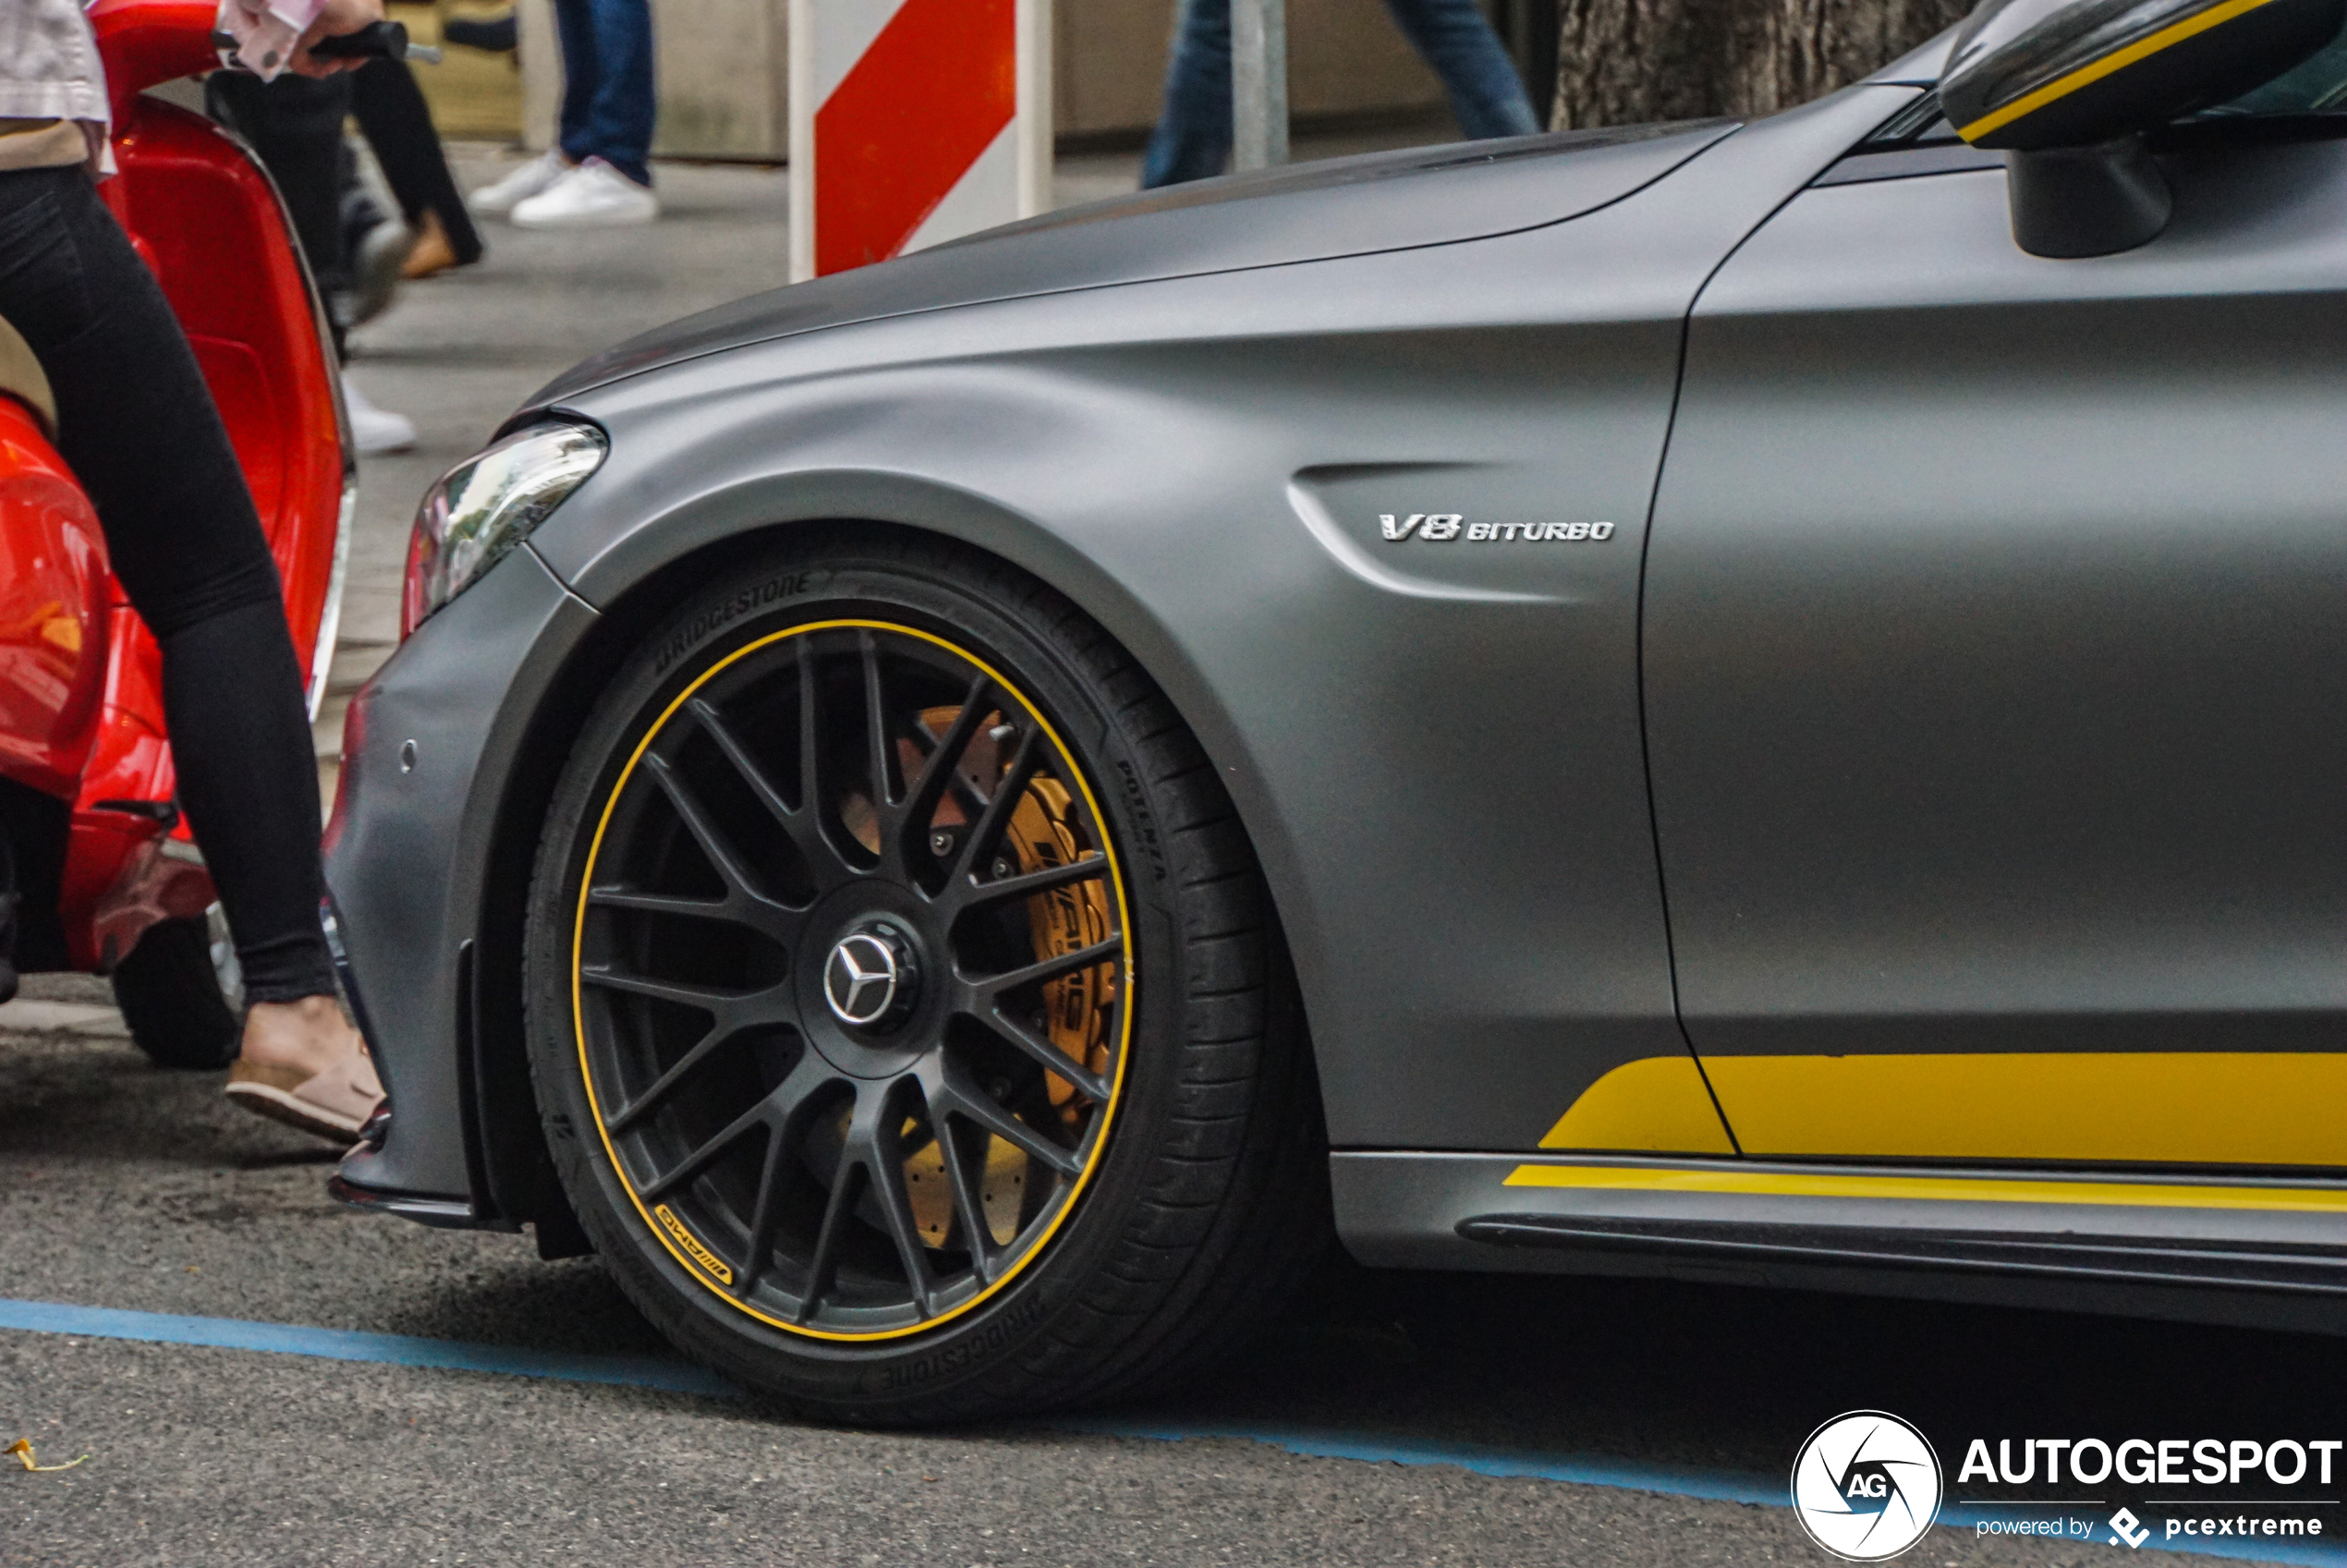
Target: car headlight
<point>486,505</point>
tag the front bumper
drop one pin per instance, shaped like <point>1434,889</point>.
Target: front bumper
<point>429,750</point>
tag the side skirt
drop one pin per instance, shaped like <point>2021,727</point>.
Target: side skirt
<point>2253,1252</point>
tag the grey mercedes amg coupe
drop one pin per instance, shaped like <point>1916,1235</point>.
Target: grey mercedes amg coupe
<point>1768,697</point>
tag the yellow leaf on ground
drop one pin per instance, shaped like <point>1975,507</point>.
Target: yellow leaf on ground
<point>22,1449</point>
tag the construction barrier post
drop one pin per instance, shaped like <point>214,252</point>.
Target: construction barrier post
<point>913,121</point>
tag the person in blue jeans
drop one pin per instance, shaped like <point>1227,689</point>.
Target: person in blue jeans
<point>596,175</point>
<point>1193,137</point>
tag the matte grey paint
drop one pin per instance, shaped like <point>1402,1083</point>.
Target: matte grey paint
<point>1272,217</point>
<point>1403,1211</point>
<point>407,850</point>
<point>1143,448</point>
<point>2066,1252</point>
<point>1994,618</point>
<point>1909,162</point>
<point>1199,461</point>
<point>1920,67</point>
<point>1391,1230</point>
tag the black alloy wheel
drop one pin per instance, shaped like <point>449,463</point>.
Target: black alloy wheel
<point>837,955</point>
<point>851,949</point>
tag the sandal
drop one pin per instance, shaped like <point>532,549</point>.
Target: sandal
<point>333,1104</point>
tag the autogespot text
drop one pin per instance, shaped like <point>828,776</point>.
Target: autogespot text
<point>2182,1464</point>
<point>2165,1462</point>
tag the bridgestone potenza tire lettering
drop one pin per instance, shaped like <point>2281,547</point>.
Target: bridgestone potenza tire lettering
<point>913,1032</point>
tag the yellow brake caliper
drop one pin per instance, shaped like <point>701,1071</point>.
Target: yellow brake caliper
<point>1077,1008</point>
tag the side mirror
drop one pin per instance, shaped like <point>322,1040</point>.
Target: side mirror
<point>2067,88</point>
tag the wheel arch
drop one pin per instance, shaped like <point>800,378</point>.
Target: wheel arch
<point>631,594</point>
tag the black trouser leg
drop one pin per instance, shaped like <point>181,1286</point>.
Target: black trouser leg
<point>138,425</point>
<point>295,124</point>
<point>249,784</point>
<point>393,113</point>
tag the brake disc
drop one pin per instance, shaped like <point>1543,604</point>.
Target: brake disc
<point>1076,1009</point>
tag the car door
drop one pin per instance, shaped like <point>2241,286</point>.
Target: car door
<point>1994,663</point>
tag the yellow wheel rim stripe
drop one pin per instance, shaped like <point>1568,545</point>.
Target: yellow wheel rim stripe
<point>692,1266</point>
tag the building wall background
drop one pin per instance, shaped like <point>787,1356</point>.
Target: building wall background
<point>724,70</point>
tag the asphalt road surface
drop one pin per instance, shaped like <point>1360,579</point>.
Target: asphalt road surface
<point>123,1187</point>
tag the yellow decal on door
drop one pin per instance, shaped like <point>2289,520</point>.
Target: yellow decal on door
<point>1655,1105</point>
<point>2186,1108</point>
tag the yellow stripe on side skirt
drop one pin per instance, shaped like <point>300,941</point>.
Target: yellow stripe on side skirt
<point>1943,1189</point>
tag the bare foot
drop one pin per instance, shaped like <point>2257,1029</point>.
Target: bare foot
<point>308,1037</point>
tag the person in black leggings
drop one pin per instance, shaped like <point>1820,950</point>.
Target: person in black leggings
<point>137,424</point>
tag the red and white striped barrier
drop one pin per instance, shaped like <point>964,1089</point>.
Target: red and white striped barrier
<point>912,122</point>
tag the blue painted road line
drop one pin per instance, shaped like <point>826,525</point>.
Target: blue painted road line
<point>347,1344</point>
<point>1587,1470</point>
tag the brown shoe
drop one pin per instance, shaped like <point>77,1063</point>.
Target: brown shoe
<point>333,1104</point>
<point>432,252</point>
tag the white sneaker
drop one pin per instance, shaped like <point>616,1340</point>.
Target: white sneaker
<point>496,200</point>
<point>593,195</point>
<point>375,430</point>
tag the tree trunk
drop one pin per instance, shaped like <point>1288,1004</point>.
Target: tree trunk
<point>1620,62</point>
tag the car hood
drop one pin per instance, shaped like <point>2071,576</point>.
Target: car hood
<point>1304,212</point>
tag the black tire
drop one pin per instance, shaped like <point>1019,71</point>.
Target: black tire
<point>1201,1201</point>
<point>169,993</point>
